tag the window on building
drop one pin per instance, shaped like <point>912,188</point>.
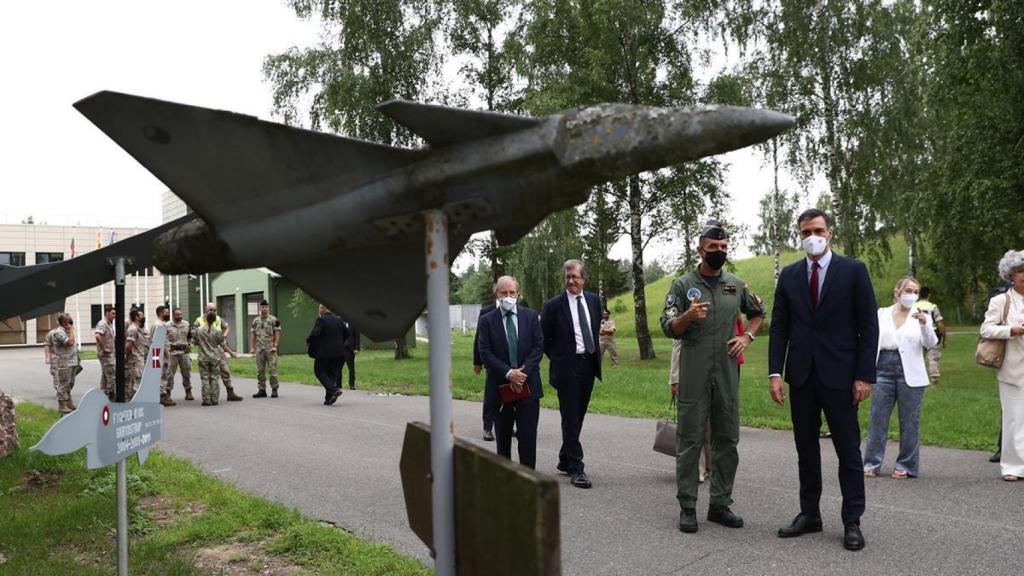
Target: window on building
<point>47,257</point>
<point>12,258</point>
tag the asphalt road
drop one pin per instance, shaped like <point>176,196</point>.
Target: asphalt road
<point>340,464</point>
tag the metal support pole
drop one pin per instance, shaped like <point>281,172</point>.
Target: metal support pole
<point>122,466</point>
<point>441,423</point>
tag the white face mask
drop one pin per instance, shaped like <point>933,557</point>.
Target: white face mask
<point>508,303</point>
<point>908,300</point>
<point>814,245</point>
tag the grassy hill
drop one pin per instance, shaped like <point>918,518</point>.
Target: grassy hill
<point>759,273</point>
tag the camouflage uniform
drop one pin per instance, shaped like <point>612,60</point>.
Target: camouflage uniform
<point>177,350</point>
<point>63,366</point>
<point>134,361</point>
<point>264,330</point>
<point>219,324</point>
<point>8,430</point>
<point>208,341</point>
<point>108,366</point>
<point>608,341</point>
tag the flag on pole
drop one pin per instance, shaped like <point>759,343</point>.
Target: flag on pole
<point>97,240</point>
<point>113,238</point>
<point>72,247</point>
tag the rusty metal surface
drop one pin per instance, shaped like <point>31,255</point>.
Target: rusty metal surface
<point>507,517</point>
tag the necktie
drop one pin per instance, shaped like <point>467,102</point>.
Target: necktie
<point>814,286</point>
<point>588,338</point>
<point>513,340</point>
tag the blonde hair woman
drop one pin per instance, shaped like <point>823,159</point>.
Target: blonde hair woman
<point>1011,374</point>
<point>904,332</point>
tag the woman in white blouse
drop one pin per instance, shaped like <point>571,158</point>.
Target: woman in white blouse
<point>904,332</point>
<point>1011,374</point>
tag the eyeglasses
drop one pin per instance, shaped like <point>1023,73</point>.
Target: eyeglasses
<point>571,277</point>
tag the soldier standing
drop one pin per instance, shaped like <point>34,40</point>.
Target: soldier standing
<point>104,333</point>
<point>263,340</point>
<point>701,310</point>
<point>211,343</point>
<point>218,323</point>
<point>61,353</point>
<point>177,348</point>
<point>607,337</point>
<point>134,353</point>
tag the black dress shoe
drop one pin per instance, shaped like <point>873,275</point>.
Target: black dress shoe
<point>852,537</point>
<point>561,467</point>
<point>688,520</point>
<point>722,515</point>
<point>488,436</point>
<point>996,457</point>
<point>260,394</point>
<point>330,401</point>
<point>801,525</point>
<point>580,480</point>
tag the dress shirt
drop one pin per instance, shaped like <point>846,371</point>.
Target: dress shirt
<point>823,263</point>
<point>573,309</point>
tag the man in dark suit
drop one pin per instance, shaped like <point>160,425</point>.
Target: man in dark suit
<point>511,346</point>
<point>351,349</point>
<point>327,347</point>
<point>492,402</point>
<point>571,322</point>
<point>824,333</point>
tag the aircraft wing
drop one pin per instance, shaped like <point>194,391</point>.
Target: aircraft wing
<point>230,167</point>
<point>381,290</point>
<point>33,288</point>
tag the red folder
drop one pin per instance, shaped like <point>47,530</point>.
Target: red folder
<point>508,395</point>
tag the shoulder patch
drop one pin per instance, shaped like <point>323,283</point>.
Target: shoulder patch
<point>670,300</point>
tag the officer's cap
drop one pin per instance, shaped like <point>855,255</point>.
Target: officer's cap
<point>713,230</point>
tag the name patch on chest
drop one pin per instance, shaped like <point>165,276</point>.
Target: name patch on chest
<point>728,289</point>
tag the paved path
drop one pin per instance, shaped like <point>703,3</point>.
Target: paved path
<point>340,464</point>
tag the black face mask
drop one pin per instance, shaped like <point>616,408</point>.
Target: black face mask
<point>715,260</point>
<point>211,317</point>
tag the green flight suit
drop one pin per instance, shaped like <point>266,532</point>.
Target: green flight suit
<point>708,381</point>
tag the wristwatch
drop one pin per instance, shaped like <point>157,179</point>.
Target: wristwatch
<point>749,334</point>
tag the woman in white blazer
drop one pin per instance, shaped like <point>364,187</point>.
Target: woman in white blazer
<point>1011,374</point>
<point>904,333</point>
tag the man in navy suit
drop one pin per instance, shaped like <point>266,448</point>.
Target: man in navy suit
<point>511,346</point>
<point>327,347</point>
<point>571,322</point>
<point>824,333</point>
<point>492,402</point>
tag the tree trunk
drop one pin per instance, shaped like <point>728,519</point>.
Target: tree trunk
<point>912,253</point>
<point>401,350</point>
<point>643,334</point>
<point>780,227</point>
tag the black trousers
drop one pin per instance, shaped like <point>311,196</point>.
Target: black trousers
<point>524,414</point>
<point>573,400</point>
<point>806,405</point>
<point>328,372</point>
<point>350,361</point>
<point>491,408</point>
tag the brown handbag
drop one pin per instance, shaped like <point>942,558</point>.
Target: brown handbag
<point>665,436</point>
<point>991,351</point>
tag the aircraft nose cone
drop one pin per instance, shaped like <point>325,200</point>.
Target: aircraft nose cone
<point>717,129</point>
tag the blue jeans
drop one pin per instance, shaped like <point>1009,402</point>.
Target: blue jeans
<point>891,389</point>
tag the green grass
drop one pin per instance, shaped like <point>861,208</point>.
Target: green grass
<point>962,413</point>
<point>67,528</point>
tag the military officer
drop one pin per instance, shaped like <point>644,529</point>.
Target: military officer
<point>211,343</point>
<point>177,347</point>
<point>263,340</point>
<point>104,333</point>
<point>701,310</point>
<point>61,353</point>
<point>135,348</point>
<point>220,324</point>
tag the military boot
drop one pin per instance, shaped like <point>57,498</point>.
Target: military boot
<point>63,407</point>
<point>165,400</point>
<point>232,397</point>
<point>72,405</point>
<point>188,394</point>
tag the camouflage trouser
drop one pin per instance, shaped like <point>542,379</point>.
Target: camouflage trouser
<point>225,374</point>
<point>132,377</point>
<point>174,361</point>
<point>608,347</point>
<point>208,376</point>
<point>63,382</point>
<point>934,355</point>
<point>8,431</point>
<point>108,376</point>
<point>266,360</point>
